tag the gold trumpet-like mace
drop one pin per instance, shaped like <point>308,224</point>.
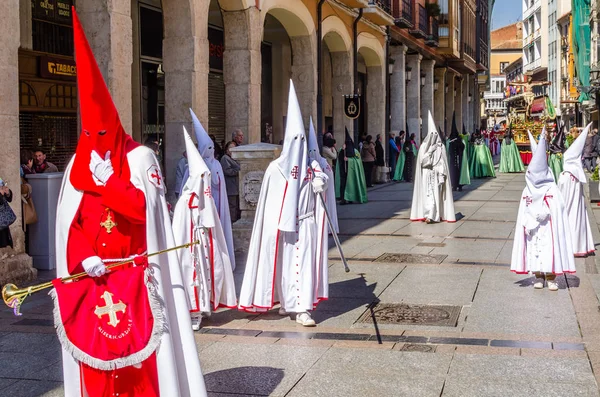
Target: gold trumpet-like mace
<point>13,296</point>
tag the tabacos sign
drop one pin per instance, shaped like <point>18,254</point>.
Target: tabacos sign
<point>57,68</point>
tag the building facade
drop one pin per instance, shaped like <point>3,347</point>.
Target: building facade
<point>231,62</point>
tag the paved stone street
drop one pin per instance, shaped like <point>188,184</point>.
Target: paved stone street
<point>472,328</point>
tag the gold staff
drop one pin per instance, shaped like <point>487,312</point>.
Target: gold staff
<point>13,297</point>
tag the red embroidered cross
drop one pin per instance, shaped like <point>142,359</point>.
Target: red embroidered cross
<point>157,177</point>
<point>528,200</point>
<point>295,172</point>
<point>308,175</point>
<point>207,192</point>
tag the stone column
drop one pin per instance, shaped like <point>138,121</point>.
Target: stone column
<point>342,84</point>
<point>413,96</point>
<point>427,95</point>
<point>466,104</point>
<point>282,55</point>
<point>25,24</point>
<point>376,102</point>
<point>185,63</point>
<point>107,25</point>
<point>398,89</point>
<point>458,108</point>
<point>242,67</point>
<point>449,100</point>
<point>254,160</point>
<point>439,99</point>
<point>304,74</point>
<point>15,265</point>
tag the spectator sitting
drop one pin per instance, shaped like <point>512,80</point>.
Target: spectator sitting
<point>231,169</point>
<point>26,163</point>
<point>41,164</point>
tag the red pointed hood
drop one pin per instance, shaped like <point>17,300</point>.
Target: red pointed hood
<point>101,128</point>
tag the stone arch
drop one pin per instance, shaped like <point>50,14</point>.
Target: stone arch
<point>371,49</point>
<point>289,13</point>
<point>335,34</point>
<point>236,5</point>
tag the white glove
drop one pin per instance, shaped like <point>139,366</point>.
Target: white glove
<point>101,169</point>
<point>319,185</point>
<point>94,266</point>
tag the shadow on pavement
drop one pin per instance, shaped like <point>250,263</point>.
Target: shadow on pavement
<point>244,380</point>
<point>564,282</point>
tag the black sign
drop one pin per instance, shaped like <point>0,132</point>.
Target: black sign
<point>57,68</point>
<point>58,11</point>
<point>215,48</point>
<point>352,106</point>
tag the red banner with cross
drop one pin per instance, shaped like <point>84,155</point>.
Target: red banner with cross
<point>109,322</point>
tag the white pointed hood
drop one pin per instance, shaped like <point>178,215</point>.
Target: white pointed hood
<point>539,180</point>
<point>532,142</point>
<point>293,162</point>
<point>572,157</point>
<point>198,180</point>
<point>430,144</point>
<point>206,146</point>
<point>313,145</point>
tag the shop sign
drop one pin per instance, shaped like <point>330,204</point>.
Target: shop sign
<point>58,11</point>
<point>215,48</point>
<point>352,106</point>
<point>57,68</point>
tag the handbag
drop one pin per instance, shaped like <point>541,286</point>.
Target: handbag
<point>29,212</point>
<point>7,215</point>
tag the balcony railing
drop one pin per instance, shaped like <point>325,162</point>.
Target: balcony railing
<point>468,50</point>
<point>383,4</point>
<point>530,10</point>
<point>532,65</point>
<point>402,11</point>
<point>421,30</point>
<point>434,36</point>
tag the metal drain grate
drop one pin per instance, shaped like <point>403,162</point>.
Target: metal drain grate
<point>411,258</point>
<point>406,314</point>
<point>416,347</point>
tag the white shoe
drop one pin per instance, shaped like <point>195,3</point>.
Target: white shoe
<point>196,323</point>
<point>282,312</point>
<point>305,319</point>
<point>552,285</point>
<point>539,284</point>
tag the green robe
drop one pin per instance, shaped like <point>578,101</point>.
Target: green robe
<point>399,172</point>
<point>356,185</point>
<point>510,159</point>
<point>555,162</point>
<point>482,164</point>
<point>465,175</point>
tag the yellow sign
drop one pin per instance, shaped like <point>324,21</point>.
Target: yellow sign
<point>62,69</point>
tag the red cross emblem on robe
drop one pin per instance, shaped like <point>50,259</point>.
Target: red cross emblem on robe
<point>294,172</point>
<point>155,176</point>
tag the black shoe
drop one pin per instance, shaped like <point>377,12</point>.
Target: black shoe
<point>460,188</point>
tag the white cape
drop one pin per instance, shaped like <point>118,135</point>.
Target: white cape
<point>552,237</point>
<point>179,372</point>
<point>267,274</point>
<point>581,233</point>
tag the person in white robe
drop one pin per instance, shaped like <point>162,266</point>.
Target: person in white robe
<point>313,154</point>
<point>542,243</point>
<point>205,267</point>
<point>432,194</point>
<point>570,183</point>
<point>283,265</point>
<point>206,147</point>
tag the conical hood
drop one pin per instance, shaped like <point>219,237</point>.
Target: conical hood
<point>293,162</point>
<point>532,142</point>
<point>432,138</point>
<point>464,130</point>
<point>539,180</point>
<point>454,133</point>
<point>206,146</point>
<point>313,144</point>
<point>558,143</point>
<point>349,142</point>
<point>100,124</point>
<point>572,157</point>
<point>198,182</point>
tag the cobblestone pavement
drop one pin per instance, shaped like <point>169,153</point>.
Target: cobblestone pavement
<point>427,310</point>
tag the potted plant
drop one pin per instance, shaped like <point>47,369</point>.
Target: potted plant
<point>433,9</point>
<point>593,185</point>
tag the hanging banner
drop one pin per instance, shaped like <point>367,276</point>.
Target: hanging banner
<point>352,106</point>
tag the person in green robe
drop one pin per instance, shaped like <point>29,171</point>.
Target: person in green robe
<point>350,182</point>
<point>482,165</point>
<point>510,159</point>
<point>556,149</point>
<point>465,174</point>
<point>399,172</point>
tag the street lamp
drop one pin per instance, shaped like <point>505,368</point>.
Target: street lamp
<point>408,73</point>
<point>436,84</point>
<point>446,88</point>
<point>422,79</point>
<point>595,75</point>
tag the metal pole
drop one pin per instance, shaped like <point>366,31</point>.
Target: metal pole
<point>387,90</point>
<point>319,71</point>
<point>355,64</point>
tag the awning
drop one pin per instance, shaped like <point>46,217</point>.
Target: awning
<point>538,105</point>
